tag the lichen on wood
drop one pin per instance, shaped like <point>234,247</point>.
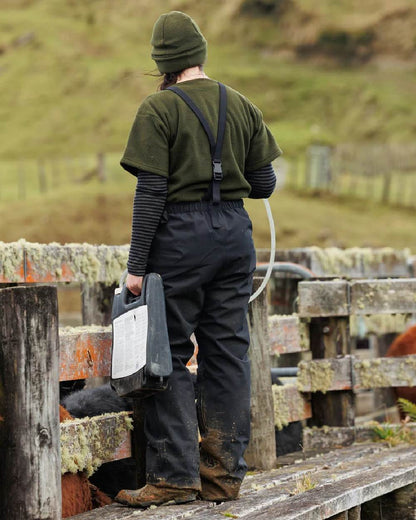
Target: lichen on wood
<point>378,324</point>
<point>289,405</point>
<point>371,374</point>
<point>356,260</point>
<point>317,376</point>
<point>11,260</point>
<point>281,407</point>
<point>35,262</point>
<point>87,443</point>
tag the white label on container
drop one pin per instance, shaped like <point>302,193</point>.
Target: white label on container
<point>129,342</point>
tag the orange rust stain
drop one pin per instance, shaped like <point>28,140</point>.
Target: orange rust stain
<point>67,273</point>
<point>90,357</point>
<point>32,274</point>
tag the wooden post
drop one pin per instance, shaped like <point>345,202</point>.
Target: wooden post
<point>261,451</point>
<point>351,514</point>
<point>22,183</point>
<point>397,505</point>
<point>30,465</point>
<point>42,177</point>
<point>101,167</point>
<point>97,301</point>
<point>355,513</point>
<point>385,196</point>
<point>384,398</point>
<point>329,338</point>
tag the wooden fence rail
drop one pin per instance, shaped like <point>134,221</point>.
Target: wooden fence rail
<point>323,391</point>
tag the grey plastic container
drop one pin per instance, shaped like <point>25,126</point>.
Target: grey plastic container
<point>154,375</point>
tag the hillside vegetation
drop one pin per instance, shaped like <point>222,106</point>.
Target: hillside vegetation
<point>72,73</point>
<point>102,214</point>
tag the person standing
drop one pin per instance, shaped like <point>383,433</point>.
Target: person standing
<point>197,148</point>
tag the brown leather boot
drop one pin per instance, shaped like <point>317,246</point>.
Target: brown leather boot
<point>155,495</point>
<point>219,489</point>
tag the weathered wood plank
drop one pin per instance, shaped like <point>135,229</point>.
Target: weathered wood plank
<point>87,443</point>
<point>30,262</point>
<point>324,375</point>
<point>272,494</point>
<point>289,405</point>
<point>385,372</point>
<point>335,437</point>
<point>383,296</point>
<point>351,262</point>
<point>318,299</point>
<point>332,498</point>
<point>305,489</point>
<point>29,423</point>
<point>340,298</point>
<point>84,352</point>
<point>261,451</point>
<point>287,334</point>
<point>78,262</point>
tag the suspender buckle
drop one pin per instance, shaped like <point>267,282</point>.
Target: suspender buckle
<point>217,170</point>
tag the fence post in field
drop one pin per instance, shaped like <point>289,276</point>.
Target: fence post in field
<point>261,451</point>
<point>385,196</point>
<point>42,177</point>
<point>101,167</point>
<point>30,464</point>
<point>22,182</point>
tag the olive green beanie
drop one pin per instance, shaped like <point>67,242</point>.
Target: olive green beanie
<point>177,43</point>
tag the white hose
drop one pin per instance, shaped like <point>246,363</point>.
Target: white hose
<point>272,251</point>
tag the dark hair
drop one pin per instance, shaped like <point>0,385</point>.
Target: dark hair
<point>170,78</point>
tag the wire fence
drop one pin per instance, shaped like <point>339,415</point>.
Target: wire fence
<point>381,173</point>
<point>22,179</point>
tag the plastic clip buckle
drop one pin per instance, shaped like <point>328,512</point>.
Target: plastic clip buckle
<point>217,170</point>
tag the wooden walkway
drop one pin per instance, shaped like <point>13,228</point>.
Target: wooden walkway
<point>329,485</point>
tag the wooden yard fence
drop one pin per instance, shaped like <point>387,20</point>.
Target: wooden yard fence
<point>21,180</point>
<point>348,484</point>
<point>375,172</point>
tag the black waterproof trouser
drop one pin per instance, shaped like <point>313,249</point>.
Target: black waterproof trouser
<point>206,257</point>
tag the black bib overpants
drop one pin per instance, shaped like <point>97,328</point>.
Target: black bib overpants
<point>206,257</point>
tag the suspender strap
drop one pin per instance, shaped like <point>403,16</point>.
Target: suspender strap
<point>215,145</point>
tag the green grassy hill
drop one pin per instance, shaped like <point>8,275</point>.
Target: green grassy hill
<point>102,214</point>
<point>72,73</point>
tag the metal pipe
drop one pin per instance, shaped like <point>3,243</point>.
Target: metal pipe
<point>284,372</point>
<point>287,267</point>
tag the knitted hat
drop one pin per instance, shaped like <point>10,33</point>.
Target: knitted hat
<point>177,43</point>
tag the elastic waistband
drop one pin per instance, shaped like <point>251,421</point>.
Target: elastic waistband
<point>203,205</point>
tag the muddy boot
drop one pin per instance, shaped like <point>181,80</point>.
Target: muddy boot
<point>217,482</point>
<point>217,485</point>
<point>155,495</point>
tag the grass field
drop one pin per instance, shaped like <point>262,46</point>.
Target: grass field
<point>73,73</point>
<point>101,213</point>
<point>74,86</point>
